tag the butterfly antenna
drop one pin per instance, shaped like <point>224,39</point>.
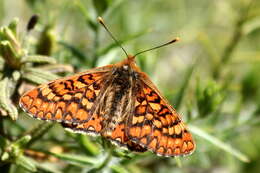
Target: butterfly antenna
<point>101,21</point>
<point>165,44</point>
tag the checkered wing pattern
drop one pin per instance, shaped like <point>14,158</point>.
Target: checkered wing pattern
<point>69,100</point>
<point>155,125</point>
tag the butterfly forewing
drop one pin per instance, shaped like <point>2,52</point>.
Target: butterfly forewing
<point>66,100</point>
<point>155,125</point>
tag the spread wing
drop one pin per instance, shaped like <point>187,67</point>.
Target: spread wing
<point>71,99</point>
<point>155,125</point>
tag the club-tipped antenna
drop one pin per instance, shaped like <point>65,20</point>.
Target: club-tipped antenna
<point>101,21</point>
<point>156,47</point>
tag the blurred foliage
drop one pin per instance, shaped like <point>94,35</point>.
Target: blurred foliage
<point>211,77</point>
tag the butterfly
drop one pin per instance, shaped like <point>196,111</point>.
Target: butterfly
<point>118,102</point>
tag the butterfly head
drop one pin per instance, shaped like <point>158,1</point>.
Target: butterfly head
<point>128,61</point>
<point>131,58</point>
<point>129,64</point>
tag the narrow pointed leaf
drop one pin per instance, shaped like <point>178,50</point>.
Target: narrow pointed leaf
<point>76,158</point>
<point>38,59</point>
<point>26,163</point>
<point>5,100</point>
<point>42,73</point>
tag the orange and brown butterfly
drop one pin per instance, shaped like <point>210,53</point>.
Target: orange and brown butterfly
<point>118,102</point>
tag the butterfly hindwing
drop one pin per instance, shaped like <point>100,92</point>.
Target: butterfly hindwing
<point>92,127</point>
<point>156,126</point>
<point>66,100</point>
<point>117,137</point>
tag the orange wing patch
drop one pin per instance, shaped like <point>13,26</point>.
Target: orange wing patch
<point>64,100</point>
<point>118,137</point>
<point>156,126</point>
<point>94,127</point>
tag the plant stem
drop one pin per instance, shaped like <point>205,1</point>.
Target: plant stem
<point>103,164</point>
<point>37,132</point>
<point>235,39</point>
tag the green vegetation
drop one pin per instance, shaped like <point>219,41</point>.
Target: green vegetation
<point>212,77</point>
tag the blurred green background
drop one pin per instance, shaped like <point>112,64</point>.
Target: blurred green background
<point>211,76</point>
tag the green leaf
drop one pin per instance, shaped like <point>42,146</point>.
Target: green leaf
<point>58,68</point>
<point>88,146</point>
<point>118,169</point>
<point>250,83</point>
<point>13,26</point>
<point>208,98</point>
<point>34,79</point>
<point>5,156</point>
<point>26,163</point>
<point>38,59</point>
<point>121,154</point>
<point>76,158</point>
<point>47,167</point>
<point>42,73</point>
<point>9,54</point>
<point>218,143</point>
<point>13,151</point>
<point>38,131</point>
<point>22,141</point>
<point>5,99</point>
<point>10,37</point>
<point>178,162</point>
<point>100,166</point>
